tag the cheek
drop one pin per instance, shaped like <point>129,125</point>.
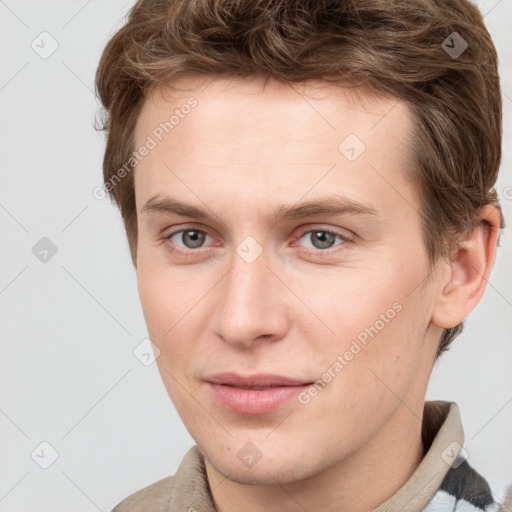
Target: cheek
<point>154,302</point>
<point>390,361</point>
<point>379,315</point>
<point>361,303</point>
<point>165,312</point>
<point>376,375</point>
<point>174,307</point>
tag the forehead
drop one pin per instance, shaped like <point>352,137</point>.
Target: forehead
<point>251,134</point>
<point>253,103</point>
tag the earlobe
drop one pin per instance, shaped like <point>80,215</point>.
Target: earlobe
<point>469,270</point>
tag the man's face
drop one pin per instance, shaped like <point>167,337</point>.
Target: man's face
<point>337,298</point>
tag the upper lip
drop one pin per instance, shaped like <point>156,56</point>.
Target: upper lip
<point>259,380</point>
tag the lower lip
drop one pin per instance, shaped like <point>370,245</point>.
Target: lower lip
<point>254,401</point>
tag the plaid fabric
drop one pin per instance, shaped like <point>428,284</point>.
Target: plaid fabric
<point>462,490</point>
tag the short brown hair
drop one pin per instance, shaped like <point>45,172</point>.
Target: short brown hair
<point>393,47</point>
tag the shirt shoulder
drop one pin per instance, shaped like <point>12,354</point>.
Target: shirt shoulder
<point>155,497</point>
<point>187,489</point>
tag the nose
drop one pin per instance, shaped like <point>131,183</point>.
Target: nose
<point>252,303</point>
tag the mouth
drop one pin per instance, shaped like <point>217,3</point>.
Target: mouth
<point>255,394</point>
<point>251,387</point>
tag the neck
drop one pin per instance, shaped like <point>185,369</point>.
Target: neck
<point>363,481</point>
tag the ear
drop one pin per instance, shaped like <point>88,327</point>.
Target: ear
<point>468,270</point>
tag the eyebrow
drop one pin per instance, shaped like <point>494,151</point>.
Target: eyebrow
<point>331,205</point>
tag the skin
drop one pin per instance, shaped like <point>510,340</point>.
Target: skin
<point>244,151</point>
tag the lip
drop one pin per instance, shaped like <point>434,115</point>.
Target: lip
<point>254,394</point>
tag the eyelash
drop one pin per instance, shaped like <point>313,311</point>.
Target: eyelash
<point>316,252</point>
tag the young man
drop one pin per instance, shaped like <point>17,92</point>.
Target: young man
<point>308,193</point>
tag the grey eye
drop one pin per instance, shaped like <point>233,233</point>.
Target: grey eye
<point>322,239</point>
<point>191,238</point>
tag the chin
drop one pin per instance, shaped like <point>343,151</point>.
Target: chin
<point>263,475</point>
<point>275,470</point>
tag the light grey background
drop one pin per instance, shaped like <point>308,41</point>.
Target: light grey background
<point>69,326</point>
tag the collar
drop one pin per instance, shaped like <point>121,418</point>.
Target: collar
<point>443,437</point>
